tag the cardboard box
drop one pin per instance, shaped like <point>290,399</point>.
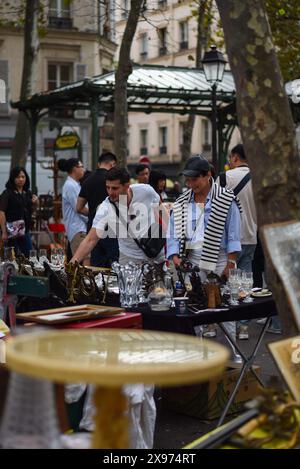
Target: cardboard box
<point>207,401</point>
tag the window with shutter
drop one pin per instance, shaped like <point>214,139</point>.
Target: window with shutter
<point>4,98</point>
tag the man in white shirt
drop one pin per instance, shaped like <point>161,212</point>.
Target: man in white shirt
<point>239,180</point>
<point>75,223</point>
<point>136,204</point>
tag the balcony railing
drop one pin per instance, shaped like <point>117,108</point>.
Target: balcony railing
<point>184,45</point>
<point>163,150</point>
<point>60,23</point>
<point>163,50</point>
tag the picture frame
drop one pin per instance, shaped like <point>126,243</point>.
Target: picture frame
<point>68,314</point>
<point>283,250</point>
<point>286,354</point>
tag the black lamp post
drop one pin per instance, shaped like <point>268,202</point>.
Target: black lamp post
<point>214,65</point>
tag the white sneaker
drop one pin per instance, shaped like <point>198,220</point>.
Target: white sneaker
<point>242,332</point>
<point>210,331</point>
<point>261,321</point>
<point>236,361</point>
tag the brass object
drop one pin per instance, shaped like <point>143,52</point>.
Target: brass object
<point>212,289</point>
<point>278,424</point>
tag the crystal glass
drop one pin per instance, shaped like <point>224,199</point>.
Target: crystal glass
<point>235,275</point>
<point>33,256</point>
<point>246,285</point>
<point>234,293</point>
<point>54,257</point>
<point>129,281</point>
<point>43,256</point>
<point>61,256</point>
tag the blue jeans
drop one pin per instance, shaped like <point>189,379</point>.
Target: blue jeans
<point>245,257</point>
<point>22,244</point>
<point>244,262</point>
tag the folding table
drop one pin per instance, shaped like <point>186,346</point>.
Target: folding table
<point>185,323</point>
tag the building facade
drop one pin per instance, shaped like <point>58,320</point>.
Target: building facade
<point>166,35</point>
<point>78,40</point>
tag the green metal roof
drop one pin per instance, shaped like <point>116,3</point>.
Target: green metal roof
<point>150,88</point>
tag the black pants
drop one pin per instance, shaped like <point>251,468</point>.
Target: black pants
<point>258,265</point>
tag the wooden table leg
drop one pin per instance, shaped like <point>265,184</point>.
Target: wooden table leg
<point>111,419</point>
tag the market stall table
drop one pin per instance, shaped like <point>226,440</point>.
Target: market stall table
<point>111,358</point>
<point>185,323</point>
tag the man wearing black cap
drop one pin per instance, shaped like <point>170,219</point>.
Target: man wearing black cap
<point>205,223</point>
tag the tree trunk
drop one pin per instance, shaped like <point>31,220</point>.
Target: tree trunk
<point>123,71</point>
<point>203,34</point>
<point>265,121</point>
<point>31,46</point>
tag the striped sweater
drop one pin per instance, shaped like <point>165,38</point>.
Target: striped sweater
<point>222,199</point>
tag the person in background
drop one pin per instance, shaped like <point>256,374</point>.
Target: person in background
<point>17,203</point>
<point>75,223</point>
<point>176,191</point>
<point>142,172</point>
<point>238,178</point>
<point>93,192</point>
<point>158,181</point>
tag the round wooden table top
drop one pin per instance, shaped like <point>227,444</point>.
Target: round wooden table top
<point>116,357</point>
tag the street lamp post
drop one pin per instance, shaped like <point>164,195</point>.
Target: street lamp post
<point>214,65</point>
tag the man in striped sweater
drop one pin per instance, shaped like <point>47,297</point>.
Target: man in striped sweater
<point>205,223</point>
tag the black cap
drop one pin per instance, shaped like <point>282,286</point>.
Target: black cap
<point>195,166</point>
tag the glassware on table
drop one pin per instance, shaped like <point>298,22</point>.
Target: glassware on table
<point>234,293</point>
<point>43,256</point>
<point>246,286</point>
<point>235,275</point>
<point>61,256</point>
<point>54,256</point>
<point>129,280</point>
<point>160,298</point>
<point>33,256</point>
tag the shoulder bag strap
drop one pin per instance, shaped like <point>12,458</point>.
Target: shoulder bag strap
<point>124,223</point>
<point>222,178</point>
<point>242,184</point>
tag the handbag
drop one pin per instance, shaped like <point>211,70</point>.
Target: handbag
<point>155,240</point>
<point>15,229</point>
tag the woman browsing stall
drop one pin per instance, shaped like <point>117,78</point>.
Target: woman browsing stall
<point>16,205</point>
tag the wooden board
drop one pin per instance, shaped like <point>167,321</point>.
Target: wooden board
<point>70,314</point>
<point>286,354</point>
<point>283,250</point>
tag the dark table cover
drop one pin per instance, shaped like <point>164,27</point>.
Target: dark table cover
<point>185,323</point>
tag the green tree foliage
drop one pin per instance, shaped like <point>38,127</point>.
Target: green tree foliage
<point>284,19</point>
